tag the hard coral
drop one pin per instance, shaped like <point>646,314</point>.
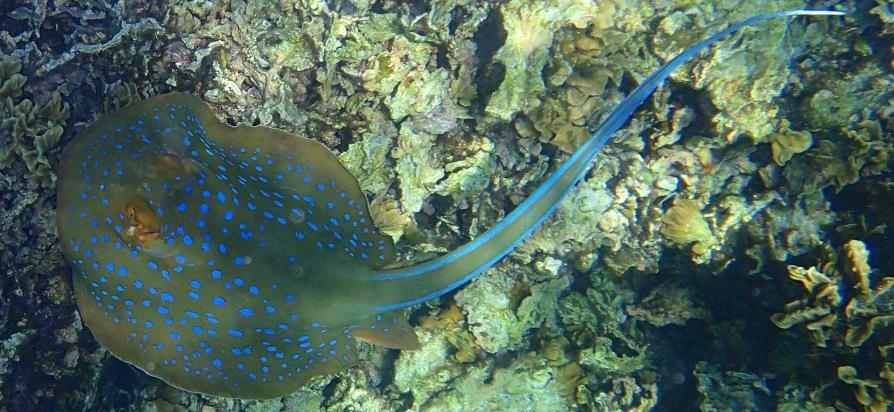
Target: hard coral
<point>834,298</point>
<point>684,224</point>
<point>530,28</point>
<point>847,307</point>
<point>28,129</point>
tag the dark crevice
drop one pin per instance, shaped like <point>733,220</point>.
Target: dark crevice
<point>489,38</point>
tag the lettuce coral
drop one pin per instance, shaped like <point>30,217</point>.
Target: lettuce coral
<point>28,129</point>
<point>847,306</point>
<point>530,28</point>
<point>786,143</point>
<point>684,224</point>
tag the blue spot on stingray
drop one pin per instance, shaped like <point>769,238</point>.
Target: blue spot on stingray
<point>246,312</point>
<point>219,301</point>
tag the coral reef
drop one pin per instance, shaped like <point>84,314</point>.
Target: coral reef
<point>840,294</point>
<point>668,304</point>
<point>448,111</point>
<point>684,224</point>
<point>849,305</point>
<point>730,390</point>
<point>29,130</point>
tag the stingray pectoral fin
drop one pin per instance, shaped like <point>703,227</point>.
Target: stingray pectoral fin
<point>390,330</point>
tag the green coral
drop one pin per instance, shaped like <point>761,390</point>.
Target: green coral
<point>28,130</point>
<point>502,308</point>
<point>530,28</point>
<point>419,167</point>
<point>525,384</point>
<point>367,158</point>
<point>668,304</point>
<point>426,371</point>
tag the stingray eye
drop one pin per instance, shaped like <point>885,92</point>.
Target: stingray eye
<point>143,224</point>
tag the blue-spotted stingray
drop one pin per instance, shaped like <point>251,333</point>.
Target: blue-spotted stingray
<point>242,261</point>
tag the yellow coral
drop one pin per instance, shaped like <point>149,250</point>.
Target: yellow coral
<point>684,224</point>
<point>389,218</point>
<point>450,321</point>
<point>787,143</point>
<point>869,392</point>
<point>817,283</point>
<point>829,303</point>
<point>815,311</point>
<point>530,27</point>
<point>857,265</point>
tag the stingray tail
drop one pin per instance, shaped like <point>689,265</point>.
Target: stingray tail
<point>415,284</point>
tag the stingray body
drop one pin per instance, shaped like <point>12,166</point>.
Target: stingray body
<point>242,261</point>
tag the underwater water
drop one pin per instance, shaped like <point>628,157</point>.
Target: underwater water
<point>729,249</point>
